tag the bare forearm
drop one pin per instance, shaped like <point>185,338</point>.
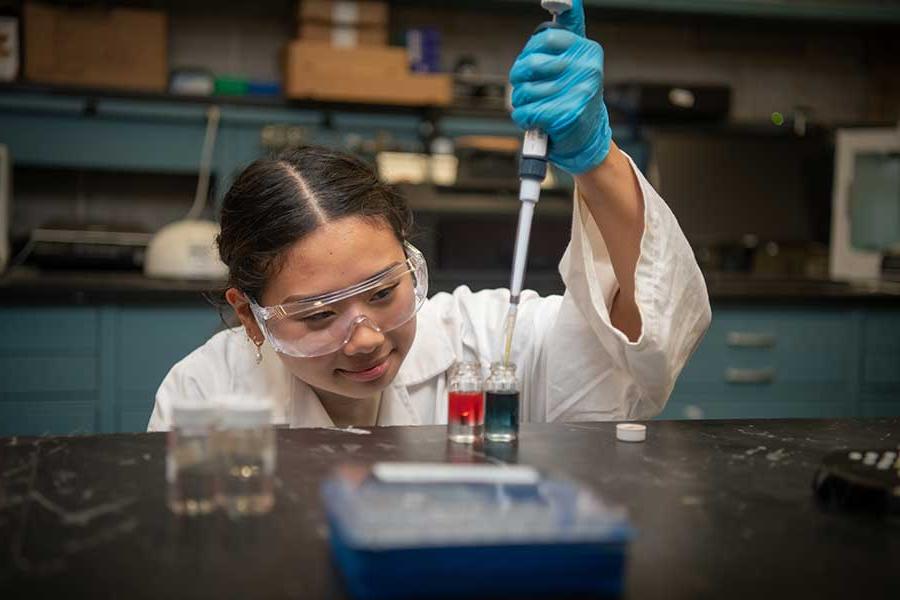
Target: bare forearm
<point>613,197</point>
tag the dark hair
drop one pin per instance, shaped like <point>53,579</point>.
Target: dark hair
<point>277,201</point>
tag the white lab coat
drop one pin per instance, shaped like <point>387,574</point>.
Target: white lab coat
<point>572,364</point>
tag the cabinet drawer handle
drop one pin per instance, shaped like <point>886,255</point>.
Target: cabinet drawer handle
<point>735,375</point>
<point>750,339</point>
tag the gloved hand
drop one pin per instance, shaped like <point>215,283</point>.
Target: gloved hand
<point>557,84</point>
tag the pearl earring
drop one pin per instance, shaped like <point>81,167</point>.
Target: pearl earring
<point>258,346</point>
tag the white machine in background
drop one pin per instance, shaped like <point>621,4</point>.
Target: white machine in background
<point>865,216</point>
<point>186,249</point>
<point>5,192</point>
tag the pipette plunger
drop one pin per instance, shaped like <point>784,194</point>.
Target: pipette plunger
<point>532,170</point>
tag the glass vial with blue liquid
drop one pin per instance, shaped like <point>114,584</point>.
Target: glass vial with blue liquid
<point>501,403</point>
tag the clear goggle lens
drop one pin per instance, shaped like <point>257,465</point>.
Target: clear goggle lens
<point>322,325</point>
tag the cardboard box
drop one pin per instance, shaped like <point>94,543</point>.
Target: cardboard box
<point>317,71</point>
<point>341,12</point>
<point>119,47</point>
<point>343,36</point>
<point>352,63</point>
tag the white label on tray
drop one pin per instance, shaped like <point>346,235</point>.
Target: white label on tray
<point>453,473</point>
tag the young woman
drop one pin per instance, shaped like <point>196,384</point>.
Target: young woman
<point>332,297</point>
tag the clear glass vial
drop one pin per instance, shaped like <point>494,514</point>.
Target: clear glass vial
<point>465,403</point>
<point>190,460</point>
<point>245,445</point>
<point>501,403</point>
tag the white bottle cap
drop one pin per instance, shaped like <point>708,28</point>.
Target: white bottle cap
<point>631,432</point>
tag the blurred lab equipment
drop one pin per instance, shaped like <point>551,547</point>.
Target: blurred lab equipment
<point>865,216</point>
<point>9,48</point>
<point>402,167</point>
<point>661,102</point>
<point>477,530</point>
<point>443,165</point>
<point>5,190</point>
<point>738,189</point>
<point>70,244</point>
<point>186,249</point>
<point>190,459</point>
<point>476,90</point>
<point>487,161</point>
<point>245,449</point>
<point>423,45</point>
<point>191,82</point>
<point>862,480</point>
<point>438,168</point>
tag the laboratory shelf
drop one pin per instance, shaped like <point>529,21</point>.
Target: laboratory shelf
<point>434,200</point>
<point>141,132</point>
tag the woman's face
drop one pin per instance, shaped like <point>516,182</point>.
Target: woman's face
<point>335,256</point>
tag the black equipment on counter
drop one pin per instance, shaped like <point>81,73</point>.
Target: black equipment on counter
<point>860,480</point>
<point>668,102</point>
<point>88,246</point>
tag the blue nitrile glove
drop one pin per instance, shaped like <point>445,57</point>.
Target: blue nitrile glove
<point>557,84</point>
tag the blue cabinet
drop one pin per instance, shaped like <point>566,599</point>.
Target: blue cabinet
<point>880,363</point>
<point>792,362</point>
<point>147,342</point>
<point>49,370</point>
<point>90,369</point>
<point>95,369</point>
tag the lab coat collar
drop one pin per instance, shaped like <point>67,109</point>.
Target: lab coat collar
<point>431,353</point>
<point>308,410</point>
<point>395,409</point>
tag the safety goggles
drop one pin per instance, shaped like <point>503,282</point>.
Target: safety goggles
<point>323,324</point>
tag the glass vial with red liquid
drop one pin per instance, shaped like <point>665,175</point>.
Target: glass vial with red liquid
<point>465,403</point>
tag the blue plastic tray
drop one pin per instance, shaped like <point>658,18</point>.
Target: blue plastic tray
<point>451,537</point>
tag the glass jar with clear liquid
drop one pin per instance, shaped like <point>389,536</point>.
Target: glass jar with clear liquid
<point>191,464</point>
<point>465,403</point>
<point>501,403</point>
<point>245,445</point>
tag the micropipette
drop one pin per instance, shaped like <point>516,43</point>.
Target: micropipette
<point>532,170</point>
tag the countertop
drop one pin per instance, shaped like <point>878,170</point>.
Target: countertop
<point>722,509</point>
<point>27,285</point>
